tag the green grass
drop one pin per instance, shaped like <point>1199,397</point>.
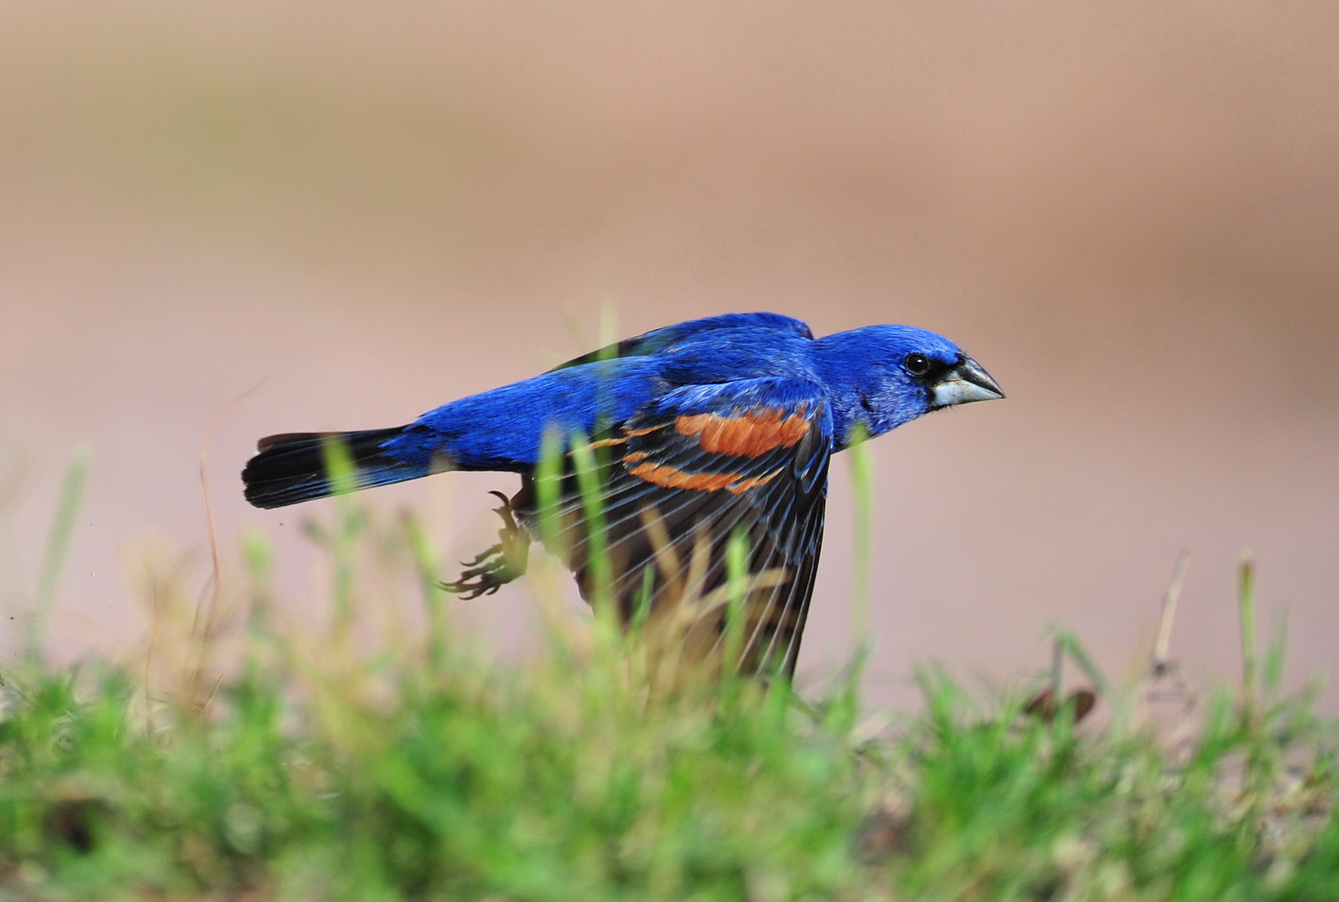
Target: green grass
<point>413,767</point>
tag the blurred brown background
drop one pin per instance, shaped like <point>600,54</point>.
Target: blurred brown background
<point>1129,213</point>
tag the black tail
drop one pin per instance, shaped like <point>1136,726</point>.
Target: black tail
<point>292,467</point>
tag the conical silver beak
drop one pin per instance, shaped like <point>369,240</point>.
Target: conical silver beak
<point>964,383</point>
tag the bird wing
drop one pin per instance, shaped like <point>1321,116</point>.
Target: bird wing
<point>658,340</point>
<point>676,482</point>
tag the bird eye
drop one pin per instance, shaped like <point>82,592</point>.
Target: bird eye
<point>916,364</point>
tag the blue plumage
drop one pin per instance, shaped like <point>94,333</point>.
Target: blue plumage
<point>704,429</point>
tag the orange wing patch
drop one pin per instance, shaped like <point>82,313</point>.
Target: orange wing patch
<point>673,478</point>
<point>747,435</point>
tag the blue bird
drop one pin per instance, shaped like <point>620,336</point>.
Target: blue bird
<point>701,431</point>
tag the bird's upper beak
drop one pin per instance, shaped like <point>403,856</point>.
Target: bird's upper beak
<point>964,383</point>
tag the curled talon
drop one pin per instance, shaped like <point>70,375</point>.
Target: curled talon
<point>504,511</point>
<point>482,556</point>
<point>492,573</point>
<point>468,589</point>
<point>498,564</point>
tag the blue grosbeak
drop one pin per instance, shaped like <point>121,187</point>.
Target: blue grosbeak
<point>701,431</point>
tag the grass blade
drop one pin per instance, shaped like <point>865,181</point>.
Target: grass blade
<point>57,549</point>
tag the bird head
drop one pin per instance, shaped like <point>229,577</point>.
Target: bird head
<point>884,376</point>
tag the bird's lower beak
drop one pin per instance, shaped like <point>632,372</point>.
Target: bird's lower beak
<point>964,383</point>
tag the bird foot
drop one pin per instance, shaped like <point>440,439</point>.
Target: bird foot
<point>498,565</point>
